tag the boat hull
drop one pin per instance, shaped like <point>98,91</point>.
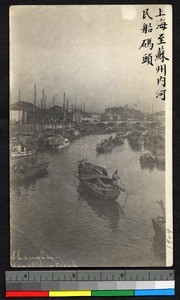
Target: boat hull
<point>22,154</point>
<point>29,172</point>
<point>110,194</point>
<point>159,228</point>
<point>63,146</point>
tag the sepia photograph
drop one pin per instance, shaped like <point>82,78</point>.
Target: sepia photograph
<point>91,136</point>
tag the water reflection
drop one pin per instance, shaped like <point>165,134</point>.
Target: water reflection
<point>51,207</point>
<point>109,210</point>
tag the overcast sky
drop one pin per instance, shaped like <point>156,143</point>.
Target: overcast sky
<point>90,52</point>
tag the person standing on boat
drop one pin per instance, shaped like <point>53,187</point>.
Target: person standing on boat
<point>115,177</point>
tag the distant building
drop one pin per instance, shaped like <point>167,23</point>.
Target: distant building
<point>95,118</point>
<point>86,117</point>
<point>124,113</point>
<point>23,112</point>
<point>27,113</point>
<point>90,117</point>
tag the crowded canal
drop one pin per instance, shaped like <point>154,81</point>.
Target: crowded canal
<point>54,222</point>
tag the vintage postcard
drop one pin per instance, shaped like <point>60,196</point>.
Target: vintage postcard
<point>91,136</point>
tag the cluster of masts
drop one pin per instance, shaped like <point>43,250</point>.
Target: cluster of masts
<point>74,107</point>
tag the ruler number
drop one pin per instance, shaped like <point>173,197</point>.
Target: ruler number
<point>25,275</point>
<point>122,275</point>
<point>73,275</point>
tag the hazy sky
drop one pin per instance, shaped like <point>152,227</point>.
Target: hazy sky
<point>90,52</point>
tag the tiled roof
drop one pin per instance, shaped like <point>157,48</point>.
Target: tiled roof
<point>25,106</point>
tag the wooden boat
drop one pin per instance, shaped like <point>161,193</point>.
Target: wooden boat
<point>159,224</point>
<point>22,170</point>
<point>103,148</point>
<point>147,158</point>
<point>57,143</point>
<point>160,159</point>
<point>97,181</point>
<point>135,138</point>
<point>65,144</point>
<point>118,140</point>
<point>19,151</point>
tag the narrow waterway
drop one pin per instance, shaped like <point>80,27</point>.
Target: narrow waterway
<point>55,223</point>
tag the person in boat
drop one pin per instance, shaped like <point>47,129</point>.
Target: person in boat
<point>115,177</point>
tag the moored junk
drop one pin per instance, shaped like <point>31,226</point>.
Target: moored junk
<point>107,145</point>
<point>20,150</point>
<point>24,170</point>
<point>159,224</point>
<point>160,157</point>
<point>56,143</point>
<point>136,138</point>
<point>96,180</point>
<point>103,148</point>
<point>119,139</point>
<point>147,158</point>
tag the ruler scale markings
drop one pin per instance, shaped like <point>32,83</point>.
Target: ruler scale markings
<point>162,281</point>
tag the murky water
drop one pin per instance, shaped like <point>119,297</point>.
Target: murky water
<point>55,223</point>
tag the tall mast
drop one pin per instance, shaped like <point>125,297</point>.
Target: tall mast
<point>35,95</point>
<point>64,110</point>
<point>42,111</point>
<point>19,108</point>
<point>67,107</point>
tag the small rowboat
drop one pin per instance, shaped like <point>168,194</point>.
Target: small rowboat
<point>22,171</point>
<point>96,180</point>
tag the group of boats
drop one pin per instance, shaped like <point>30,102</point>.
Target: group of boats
<point>106,145</point>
